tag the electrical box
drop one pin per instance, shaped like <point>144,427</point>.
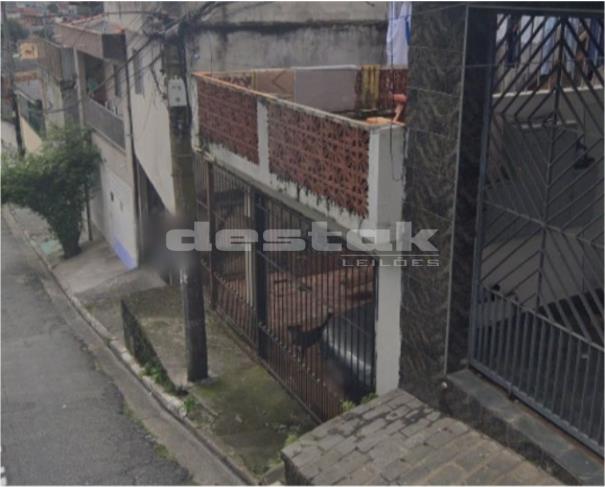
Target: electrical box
<point>176,93</point>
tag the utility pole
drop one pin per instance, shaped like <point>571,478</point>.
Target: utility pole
<point>8,53</point>
<point>179,110</point>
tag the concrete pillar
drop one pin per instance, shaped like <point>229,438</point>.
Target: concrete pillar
<point>388,331</point>
<point>444,120</point>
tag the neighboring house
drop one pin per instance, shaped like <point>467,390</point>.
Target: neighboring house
<point>296,32</point>
<point>281,149</point>
<point>31,112</point>
<point>98,52</point>
<point>136,179</point>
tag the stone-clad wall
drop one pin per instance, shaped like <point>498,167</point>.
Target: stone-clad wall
<point>444,120</point>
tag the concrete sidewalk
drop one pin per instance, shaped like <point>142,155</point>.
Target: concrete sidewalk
<point>205,465</point>
<point>242,413</point>
<point>96,277</point>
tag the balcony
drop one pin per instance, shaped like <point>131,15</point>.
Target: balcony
<point>323,136</point>
<point>104,121</point>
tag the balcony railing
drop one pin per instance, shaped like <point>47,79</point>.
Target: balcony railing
<point>104,121</point>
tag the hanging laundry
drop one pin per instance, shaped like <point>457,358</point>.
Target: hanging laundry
<point>549,35</point>
<point>595,42</point>
<point>573,26</point>
<point>399,32</point>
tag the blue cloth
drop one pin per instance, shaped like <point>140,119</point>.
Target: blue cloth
<point>547,59</point>
<point>399,32</point>
<point>595,51</point>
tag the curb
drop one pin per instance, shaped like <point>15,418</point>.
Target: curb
<point>171,404</point>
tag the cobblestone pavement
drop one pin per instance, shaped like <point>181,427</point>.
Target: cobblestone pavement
<point>397,439</point>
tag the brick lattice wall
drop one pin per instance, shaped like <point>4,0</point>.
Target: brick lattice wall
<point>227,116</point>
<point>391,81</point>
<point>326,156</point>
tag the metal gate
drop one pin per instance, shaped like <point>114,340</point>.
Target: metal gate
<point>309,318</point>
<point>537,311</point>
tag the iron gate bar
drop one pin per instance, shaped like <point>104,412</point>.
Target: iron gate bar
<point>298,288</point>
<point>537,312</point>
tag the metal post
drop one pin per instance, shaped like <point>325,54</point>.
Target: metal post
<point>261,275</point>
<point>212,231</point>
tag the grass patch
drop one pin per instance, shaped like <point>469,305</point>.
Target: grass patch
<point>347,406</point>
<point>155,370</point>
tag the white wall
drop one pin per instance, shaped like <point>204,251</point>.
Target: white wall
<point>388,327</point>
<point>9,135</point>
<point>112,205</point>
<point>241,35</point>
<point>150,125</point>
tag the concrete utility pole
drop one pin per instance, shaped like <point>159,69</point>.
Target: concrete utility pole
<point>8,46</point>
<point>184,187</point>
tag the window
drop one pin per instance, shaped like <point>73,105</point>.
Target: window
<point>117,87</point>
<point>138,74</point>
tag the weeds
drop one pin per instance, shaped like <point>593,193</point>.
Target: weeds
<point>154,370</point>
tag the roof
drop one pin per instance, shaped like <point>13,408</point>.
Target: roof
<point>96,23</point>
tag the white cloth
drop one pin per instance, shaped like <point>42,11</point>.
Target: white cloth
<point>399,32</point>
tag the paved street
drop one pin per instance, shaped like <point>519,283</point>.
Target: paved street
<point>63,420</point>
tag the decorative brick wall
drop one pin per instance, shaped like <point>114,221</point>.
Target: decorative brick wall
<point>325,155</point>
<point>391,81</point>
<point>227,116</point>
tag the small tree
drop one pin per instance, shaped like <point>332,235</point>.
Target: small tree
<point>54,182</point>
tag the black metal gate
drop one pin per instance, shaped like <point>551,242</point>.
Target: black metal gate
<point>309,318</point>
<point>537,317</point>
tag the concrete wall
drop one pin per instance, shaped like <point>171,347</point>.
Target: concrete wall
<point>9,136</point>
<point>243,35</point>
<point>150,123</point>
<point>52,100</point>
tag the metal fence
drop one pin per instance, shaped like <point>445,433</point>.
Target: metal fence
<point>537,321</point>
<point>104,121</point>
<point>309,318</point>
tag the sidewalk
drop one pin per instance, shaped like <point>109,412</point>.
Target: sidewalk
<point>241,412</point>
<point>95,277</point>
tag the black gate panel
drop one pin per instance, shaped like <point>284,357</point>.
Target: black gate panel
<point>537,318</point>
<point>309,318</point>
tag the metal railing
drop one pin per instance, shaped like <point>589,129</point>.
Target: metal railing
<point>309,317</point>
<point>537,312</point>
<point>104,121</point>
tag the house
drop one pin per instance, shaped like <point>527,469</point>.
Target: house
<point>504,158</point>
<point>284,148</point>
